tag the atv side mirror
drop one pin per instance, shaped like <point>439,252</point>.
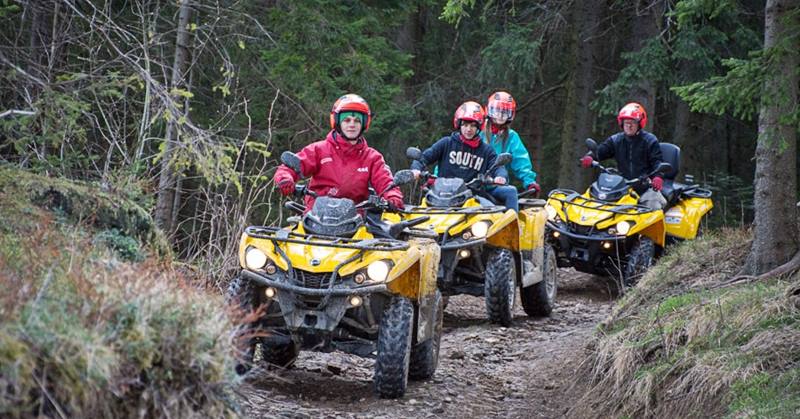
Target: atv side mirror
<point>591,145</point>
<point>662,168</point>
<point>413,153</point>
<point>403,177</point>
<point>292,161</point>
<point>503,159</point>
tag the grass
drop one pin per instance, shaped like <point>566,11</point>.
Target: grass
<point>679,345</point>
<point>93,320</point>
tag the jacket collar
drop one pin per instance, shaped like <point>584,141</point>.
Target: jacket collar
<point>473,143</point>
<point>339,143</point>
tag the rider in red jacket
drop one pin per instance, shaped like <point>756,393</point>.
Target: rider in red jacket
<point>342,165</point>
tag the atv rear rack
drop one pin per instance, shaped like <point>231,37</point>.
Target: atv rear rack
<point>695,191</point>
<point>600,205</point>
<point>277,234</point>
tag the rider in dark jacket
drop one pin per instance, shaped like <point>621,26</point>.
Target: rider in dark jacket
<point>636,151</point>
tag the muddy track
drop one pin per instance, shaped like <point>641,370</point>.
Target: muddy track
<point>524,371</point>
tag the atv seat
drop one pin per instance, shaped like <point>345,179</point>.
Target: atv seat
<point>670,153</point>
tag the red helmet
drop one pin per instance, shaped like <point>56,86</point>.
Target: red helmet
<point>633,111</point>
<point>469,111</point>
<point>350,103</point>
<point>501,105</point>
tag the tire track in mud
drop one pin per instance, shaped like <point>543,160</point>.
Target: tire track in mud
<point>524,371</point>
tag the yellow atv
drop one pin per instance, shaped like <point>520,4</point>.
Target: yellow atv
<point>605,231</point>
<point>338,280</point>
<point>608,231</point>
<point>488,250</point>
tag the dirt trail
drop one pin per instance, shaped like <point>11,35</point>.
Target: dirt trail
<point>525,371</point>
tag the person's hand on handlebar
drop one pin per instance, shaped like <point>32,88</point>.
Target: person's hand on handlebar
<point>286,186</point>
<point>395,203</point>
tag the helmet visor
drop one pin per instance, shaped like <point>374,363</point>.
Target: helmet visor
<point>500,112</point>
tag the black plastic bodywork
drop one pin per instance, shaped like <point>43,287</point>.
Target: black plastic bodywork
<point>332,217</point>
<point>448,192</point>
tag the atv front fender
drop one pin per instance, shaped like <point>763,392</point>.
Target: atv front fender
<point>504,232</point>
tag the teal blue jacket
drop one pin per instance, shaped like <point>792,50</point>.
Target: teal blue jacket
<point>520,167</point>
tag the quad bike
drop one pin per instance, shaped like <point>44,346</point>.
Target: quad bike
<point>607,231</point>
<point>488,250</point>
<point>686,203</point>
<point>336,279</point>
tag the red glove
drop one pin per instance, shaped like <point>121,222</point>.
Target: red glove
<point>657,183</point>
<point>534,187</point>
<point>286,187</point>
<point>396,202</point>
<point>586,162</point>
<point>429,183</point>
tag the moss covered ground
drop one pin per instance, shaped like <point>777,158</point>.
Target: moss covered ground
<point>685,344</point>
<point>94,322</point>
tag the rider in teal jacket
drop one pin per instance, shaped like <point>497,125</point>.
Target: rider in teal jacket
<point>501,110</point>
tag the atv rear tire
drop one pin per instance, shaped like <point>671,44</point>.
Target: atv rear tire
<point>394,349</point>
<point>242,292</point>
<point>539,299</point>
<point>639,260</point>
<point>500,286</point>
<point>425,355</point>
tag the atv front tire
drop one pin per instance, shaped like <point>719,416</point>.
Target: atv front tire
<point>500,286</point>
<point>279,350</point>
<point>394,349</point>
<point>539,299</point>
<point>243,293</point>
<point>639,260</point>
<point>425,355</point>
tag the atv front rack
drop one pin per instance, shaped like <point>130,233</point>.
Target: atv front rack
<point>455,210</point>
<point>277,234</point>
<point>598,204</point>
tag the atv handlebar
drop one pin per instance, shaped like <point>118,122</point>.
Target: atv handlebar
<point>372,202</point>
<point>644,179</point>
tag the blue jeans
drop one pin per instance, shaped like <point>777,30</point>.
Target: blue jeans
<point>507,195</point>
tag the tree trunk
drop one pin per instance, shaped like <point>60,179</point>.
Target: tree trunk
<point>536,140</point>
<point>692,142</point>
<point>775,231</point>
<point>578,118</point>
<point>409,38</point>
<point>646,25</point>
<point>166,181</point>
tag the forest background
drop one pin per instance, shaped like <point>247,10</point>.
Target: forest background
<point>185,106</point>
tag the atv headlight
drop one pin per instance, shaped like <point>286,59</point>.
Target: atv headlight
<point>480,229</point>
<point>255,258</point>
<point>623,227</point>
<point>552,214</point>
<point>378,271</point>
